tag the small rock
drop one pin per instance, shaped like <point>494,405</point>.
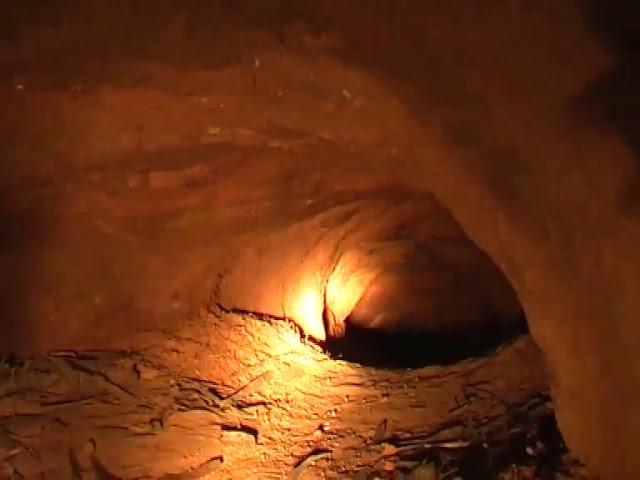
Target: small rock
<point>347,94</point>
<point>389,467</point>
<point>424,472</point>
<point>389,450</point>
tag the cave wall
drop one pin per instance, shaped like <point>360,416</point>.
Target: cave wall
<point>110,112</point>
<point>517,142</point>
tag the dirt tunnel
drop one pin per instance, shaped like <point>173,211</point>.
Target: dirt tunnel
<point>273,239</point>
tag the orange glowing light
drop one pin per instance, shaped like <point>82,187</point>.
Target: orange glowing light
<point>338,290</point>
<point>307,312</point>
<point>345,286</point>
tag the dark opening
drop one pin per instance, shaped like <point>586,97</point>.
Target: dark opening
<point>383,349</point>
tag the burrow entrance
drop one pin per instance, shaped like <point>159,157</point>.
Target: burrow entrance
<point>405,349</point>
<point>434,297</point>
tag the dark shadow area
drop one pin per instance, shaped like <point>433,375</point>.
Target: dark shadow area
<point>21,230</point>
<point>538,445</point>
<point>525,444</point>
<point>406,349</point>
<point>107,36</point>
<point>613,100</point>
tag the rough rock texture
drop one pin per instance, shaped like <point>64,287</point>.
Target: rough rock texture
<point>512,114</point>
<point>199,403</point>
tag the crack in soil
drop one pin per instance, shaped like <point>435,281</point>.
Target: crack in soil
<point>270,318</point>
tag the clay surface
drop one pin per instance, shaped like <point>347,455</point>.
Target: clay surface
<point>159,161</point>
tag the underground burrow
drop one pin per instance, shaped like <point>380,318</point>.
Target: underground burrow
<point>407,349</point>
<point>143,145</point>
<point>424,294</point>
<point>384,277</point>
